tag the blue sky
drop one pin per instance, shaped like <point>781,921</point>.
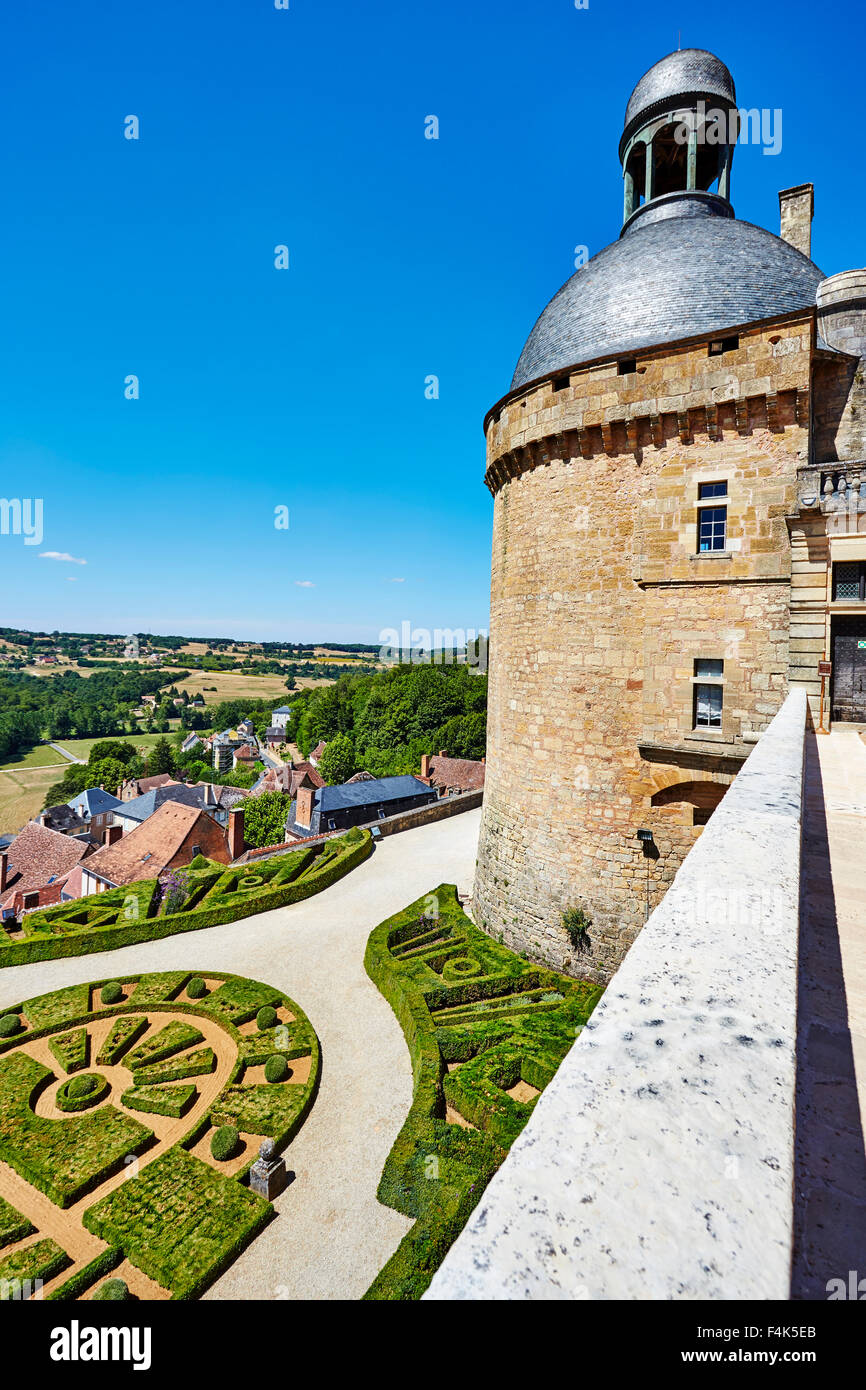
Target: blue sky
<point>408,257</point>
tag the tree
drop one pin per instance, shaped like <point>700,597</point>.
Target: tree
<point>107,773</point>
<point>160,758</point>
<point>123,752</point>
<point>265,819</point>
<point>337,763</point>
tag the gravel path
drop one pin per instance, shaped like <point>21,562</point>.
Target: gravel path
<point>332,1235</point>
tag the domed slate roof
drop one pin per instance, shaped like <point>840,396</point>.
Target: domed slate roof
<point>688,72</point>
<point>679,277</point>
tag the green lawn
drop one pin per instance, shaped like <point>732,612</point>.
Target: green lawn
<point>40,756</point>
<point>80,747</point>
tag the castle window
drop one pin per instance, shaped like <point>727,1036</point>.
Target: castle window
<point>626,365</point>
<point>562,383</point>
<point>712,518</point>
<point>720,345</point>
<point>849,581</point>
<point>708,693</point>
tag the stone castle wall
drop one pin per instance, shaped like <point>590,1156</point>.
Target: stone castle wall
<point>600,605</point>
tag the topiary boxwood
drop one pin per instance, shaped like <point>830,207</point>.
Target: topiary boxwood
<point>276,1068</point>
<point>81,1092</point>
<point>112,993</point>
<point>112,1289</point>
<point>266,1018</point>
<point>224,1143</point>
<point>10,1024</point>
<point>196,989</point>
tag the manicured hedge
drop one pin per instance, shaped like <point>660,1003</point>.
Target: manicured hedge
<point>62,1158</point>
<point>112,1291</point>
<point>160,1100</point>
<point>266,1018</point>
<point>217,1215</point>
<point>120,1037</point>
<point>14,1225</point>
<point>199,1063</point>
<point>276,1068</point>
<point>52,933</point>
<point>112,993</point>
<point>10,1024</point>
<point>83,1279</point>
<point>42,1260</point>
<point>177,1226</point>
<point>174,1037</point>
<point>81,1093</point>
<point>196,989</point>
<point>72,1050</point>
<point>224,1143</point>
<point>461,997</point>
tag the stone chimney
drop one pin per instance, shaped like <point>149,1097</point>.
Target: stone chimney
<point>4,862</point>
<point>442,753</point>
<point>304,807</point>
<point>113,834</point>
<point>236,833</point>
<point>425,764</point>
<point>796,206</point>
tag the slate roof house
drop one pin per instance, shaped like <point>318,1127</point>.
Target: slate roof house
<point>95,807</point>
<point>35,866</point>
<point>170,838</point>
<point>215,800</point>
<point>63,819</point>
<point>136,786</point>
<point>316,810</point>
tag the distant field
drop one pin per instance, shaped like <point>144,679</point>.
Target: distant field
<point>235,685</point>
<point>22,794</point>
<point>40,756</point>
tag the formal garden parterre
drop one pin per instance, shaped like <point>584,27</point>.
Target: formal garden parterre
<point>204,894</point>
<point>115,1155</point>
<point>486,1031</point>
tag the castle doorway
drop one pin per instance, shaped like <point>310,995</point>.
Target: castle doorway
<point>848,699</point>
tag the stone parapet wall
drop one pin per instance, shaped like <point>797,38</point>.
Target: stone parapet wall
<point>659,1162</point>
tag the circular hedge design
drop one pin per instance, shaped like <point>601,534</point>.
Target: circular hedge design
<point>463,968</point>
<point>158,1087</point>
<point>81,1092</point>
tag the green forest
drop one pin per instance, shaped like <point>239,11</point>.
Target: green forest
<point>383,723</point>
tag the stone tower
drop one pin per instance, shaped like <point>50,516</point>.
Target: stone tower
<point>646,465</point>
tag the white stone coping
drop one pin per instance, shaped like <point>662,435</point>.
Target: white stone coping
<point>659,1162</point>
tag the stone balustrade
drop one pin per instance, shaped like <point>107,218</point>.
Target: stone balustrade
<point>659,1162</point>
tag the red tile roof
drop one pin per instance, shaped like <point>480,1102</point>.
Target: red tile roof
<point>148,849</point>
<point>456,774</point>
<point>38,854</point>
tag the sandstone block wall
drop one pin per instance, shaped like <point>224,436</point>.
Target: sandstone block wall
<point>600,607</point>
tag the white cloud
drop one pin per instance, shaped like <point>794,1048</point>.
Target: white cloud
<point>305,584</point>
<point>71,579</point>
<point>396,581</point>
<point>61,555</point>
